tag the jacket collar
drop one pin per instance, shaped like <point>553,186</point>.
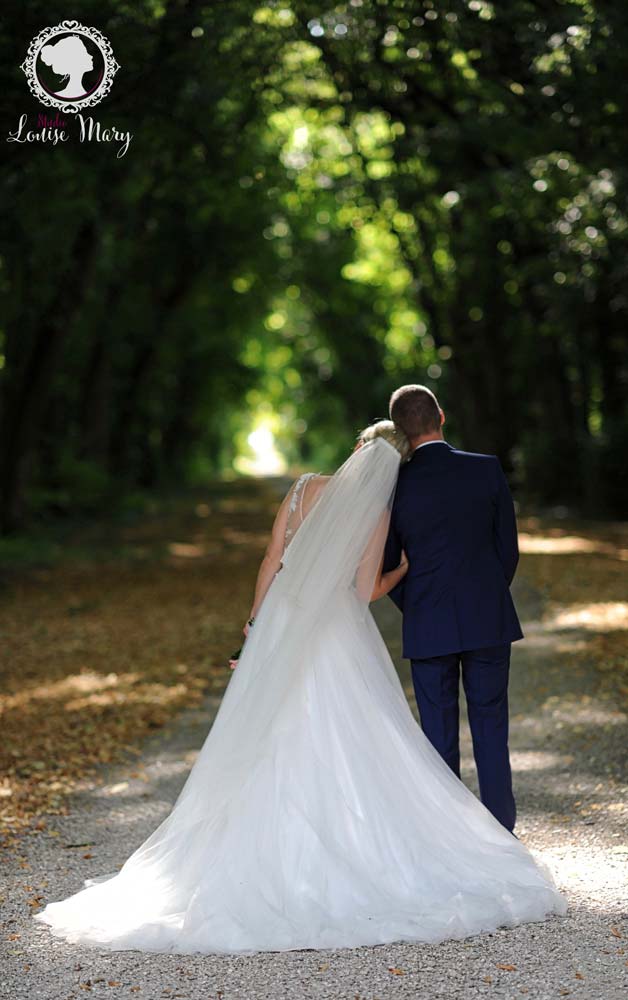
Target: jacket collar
<point>431,452</point>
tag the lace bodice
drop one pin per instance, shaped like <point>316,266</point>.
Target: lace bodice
<point>299,505</point>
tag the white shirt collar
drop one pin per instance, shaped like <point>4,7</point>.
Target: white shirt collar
<point>439,441</point>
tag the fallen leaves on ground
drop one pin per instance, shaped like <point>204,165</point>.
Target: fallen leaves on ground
<point>581,568</point>
<point>101,649</point>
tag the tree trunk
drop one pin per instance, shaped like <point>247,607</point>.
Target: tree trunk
<point>27,391</point>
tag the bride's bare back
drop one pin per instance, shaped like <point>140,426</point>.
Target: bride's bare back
<point>305,492</point>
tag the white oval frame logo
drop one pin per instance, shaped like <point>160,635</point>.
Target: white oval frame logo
<point>69,61</point>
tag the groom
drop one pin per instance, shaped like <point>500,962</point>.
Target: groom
<point>453,516</point>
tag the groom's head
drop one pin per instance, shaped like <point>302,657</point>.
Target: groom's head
<point>415,409</point>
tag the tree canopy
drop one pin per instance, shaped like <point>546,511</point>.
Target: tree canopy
<point>318,204</point>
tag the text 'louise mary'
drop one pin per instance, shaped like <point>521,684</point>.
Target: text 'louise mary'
<point>90,130</point>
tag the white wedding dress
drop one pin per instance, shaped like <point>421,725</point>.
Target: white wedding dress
<point>317,814</point>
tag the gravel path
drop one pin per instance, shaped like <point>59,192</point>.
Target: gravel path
<point>568,748</point>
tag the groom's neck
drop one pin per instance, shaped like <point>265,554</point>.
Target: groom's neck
<point>424,438</point>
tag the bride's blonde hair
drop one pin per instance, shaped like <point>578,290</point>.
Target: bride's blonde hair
<point>391,433</point>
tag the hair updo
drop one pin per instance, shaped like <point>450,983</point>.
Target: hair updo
<point>391,433</point>
<point>67,55</point>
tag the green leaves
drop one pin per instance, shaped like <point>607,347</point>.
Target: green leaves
<point>444,188</point>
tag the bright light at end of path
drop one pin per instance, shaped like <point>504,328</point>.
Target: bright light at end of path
<point>267,460</point>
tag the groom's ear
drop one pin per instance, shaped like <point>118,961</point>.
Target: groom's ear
<point>442,417</point>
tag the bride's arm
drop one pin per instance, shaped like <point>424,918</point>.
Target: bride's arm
<point>381,583</point>
<point>384,582</point>
<point>271,562</point>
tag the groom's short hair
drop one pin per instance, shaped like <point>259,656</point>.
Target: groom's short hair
<point>415,409</point>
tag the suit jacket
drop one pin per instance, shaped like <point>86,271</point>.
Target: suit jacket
<point>454,517</point>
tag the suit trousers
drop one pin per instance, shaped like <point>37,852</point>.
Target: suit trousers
<point>485,679</point>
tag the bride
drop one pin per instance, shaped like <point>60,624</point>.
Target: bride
<point>317,814</point>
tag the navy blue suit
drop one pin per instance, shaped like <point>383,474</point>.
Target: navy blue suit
<point>453,515</point>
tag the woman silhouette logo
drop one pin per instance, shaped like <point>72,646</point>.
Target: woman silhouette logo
<point>70,67</point>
